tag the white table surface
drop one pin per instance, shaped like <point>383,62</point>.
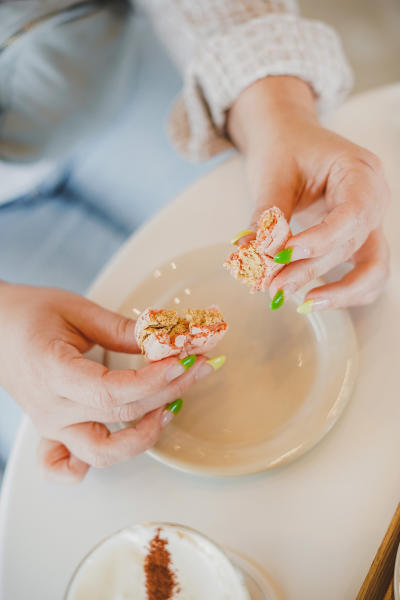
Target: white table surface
<point>313,525</point>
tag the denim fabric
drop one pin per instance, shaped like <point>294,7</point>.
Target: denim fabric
<point>62,79</point>
<point>63,236</point>
<point>134,169</point>
<point>55,240</point>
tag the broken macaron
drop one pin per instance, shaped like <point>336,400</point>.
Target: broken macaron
<point>163,333</point>
<point>253,263</point>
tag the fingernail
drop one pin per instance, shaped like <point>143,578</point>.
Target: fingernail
<point>284,256</point>
<point>188,361</point>
<point>217,362</point>
<point>175,406</point>
<point>171,411</point>
<point>312,305</point>
<point>298,253</point>
<point>277,300</point>
<point>239,235</point>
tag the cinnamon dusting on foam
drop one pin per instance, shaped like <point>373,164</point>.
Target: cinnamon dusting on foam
<point>161,581</point>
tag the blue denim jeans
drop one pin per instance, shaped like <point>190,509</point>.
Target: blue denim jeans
<point>65,234</point>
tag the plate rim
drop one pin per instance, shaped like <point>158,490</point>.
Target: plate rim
<point>243,470</point>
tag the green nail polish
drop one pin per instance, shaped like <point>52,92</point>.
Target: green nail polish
<point>239,235</point>
<point>277,300</point>
<point>217,362</point>
<point>175,406</point>
<point>305,308</point>
<point>188,361</point>
<point>284,256</point>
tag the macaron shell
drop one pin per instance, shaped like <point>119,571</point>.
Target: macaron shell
<point>272,239</point>
<point>199,339</point>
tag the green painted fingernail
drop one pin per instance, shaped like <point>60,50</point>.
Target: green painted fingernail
<point>217,362</point>
<point>284,256</point>
<point>305,308</point>
<point>314,304</point>
<point>277,300</point>
<point>175,406</point>
<point>188,361</point>
<point>239,236</point>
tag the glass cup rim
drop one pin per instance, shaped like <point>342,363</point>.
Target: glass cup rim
<point>160,524</point>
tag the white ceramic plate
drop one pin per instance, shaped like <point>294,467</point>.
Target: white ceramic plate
<point>286,381</point>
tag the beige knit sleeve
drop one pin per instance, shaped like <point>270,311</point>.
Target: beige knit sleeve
<point>223,46</point>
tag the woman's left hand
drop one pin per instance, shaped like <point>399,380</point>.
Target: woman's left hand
<point>298,165</point>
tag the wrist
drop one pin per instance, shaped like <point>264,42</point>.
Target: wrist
<point>264,107</point>
<point>4,298</point>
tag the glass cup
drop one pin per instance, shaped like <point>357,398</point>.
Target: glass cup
<point>197,561</point>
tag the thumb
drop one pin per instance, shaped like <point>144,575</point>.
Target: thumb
<point>101,326</point>
<point>270,187</point>
<point>274,190</point>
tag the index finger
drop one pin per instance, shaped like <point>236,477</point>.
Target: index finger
<point>135,410</point>
<point>93,384</point>
<point>358,200</point>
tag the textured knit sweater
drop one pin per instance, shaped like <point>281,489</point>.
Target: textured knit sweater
<point>63,62</point>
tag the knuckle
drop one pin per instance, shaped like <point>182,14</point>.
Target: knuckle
<point>359,215</point>
<point>58,349</point>
<point>127,412</point>
<point>324,240</point>
<point>343,162</point>
<point>150,437</point>
<point>180,386</point>
<point>102,397</point>
<point>362,158</point>
<point>97,459</point>
<point>123,328</point>
<point>316,249</point>
<point>309,274</point>
<point>373,161</point>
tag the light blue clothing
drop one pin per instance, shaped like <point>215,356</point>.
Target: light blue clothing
<point>63,237</point>
<point>61,79</point>
<point>55,240</point>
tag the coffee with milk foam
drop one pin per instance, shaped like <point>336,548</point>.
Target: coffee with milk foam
<point>157,562</point>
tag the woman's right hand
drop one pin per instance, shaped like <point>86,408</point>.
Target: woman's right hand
<point>298,165</point>
<point>44,335</point>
